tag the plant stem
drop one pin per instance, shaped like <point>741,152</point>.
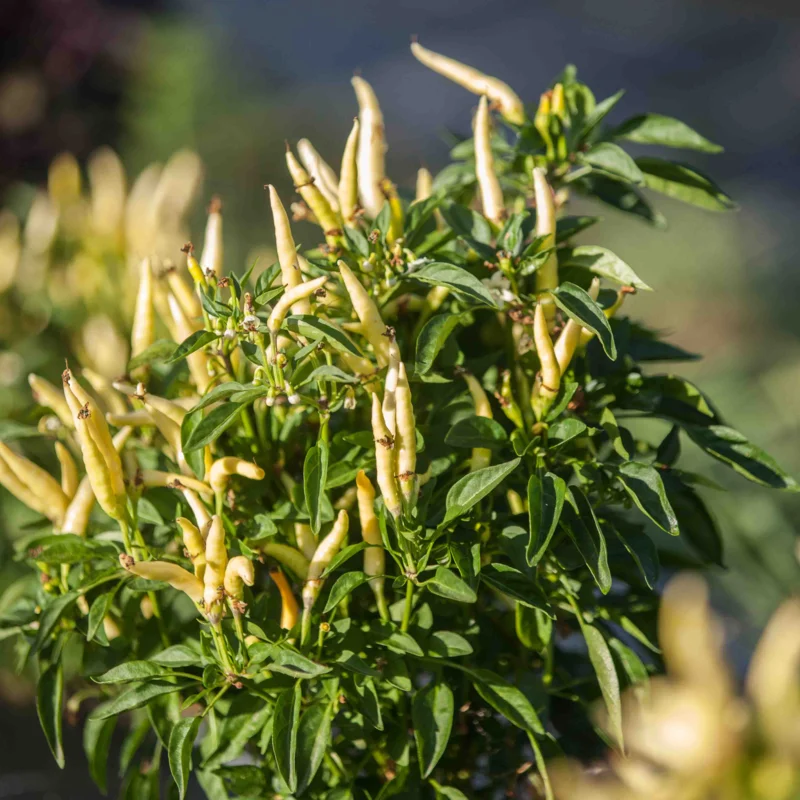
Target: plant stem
<point>408,606</point>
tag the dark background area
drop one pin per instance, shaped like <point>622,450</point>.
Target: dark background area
<point>234,78</point>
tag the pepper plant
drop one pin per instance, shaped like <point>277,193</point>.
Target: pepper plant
<point>377,522</point>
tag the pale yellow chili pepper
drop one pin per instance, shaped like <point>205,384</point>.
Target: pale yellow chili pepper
<point>239,573</point>
<point>175,576</point>
<point>216,562</point>
<point>143,328</point>
<point>347,500</point>
<point>290,611</point>
<point>326,550</point>
<point>570,335</point>
<point>558,101</point>
<point>406,438</point>
<point>348,177</point>
<point>305,538</point>
<point>542,123</point>
<point>223,468</point>
<point>366,310</point>
<point>488,184</point>
<point>193,266</point>
<point>197,361</point>
<point>320,171</point>
<point>547,274</point>
<point>586,334</point>
<point>374,557</point>
<point>32,485</point>
<point>385,460</point>
<point>313,197</point>
<point>371,148</point>
<point>201,513</point>
<point>69,470</point>
<point>396,213</point>
<point>137,419</point>
<point>104,389</point>
<point>548,381</point>
<point>289,556</point>
<point>288,300</point>
<point>481,456</point>
<point>287,251</point>
<point>153,402</point>
<point>49,396</point>
<point>172,480</point>
<point>195,546</point>
<point>189,301</point>
<point>161,295</point>
<point>389,405</point>
<point>212,257</point>
<point>501,94</point>
<point>424,186</point>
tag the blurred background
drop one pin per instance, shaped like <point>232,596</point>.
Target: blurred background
<point>232,80</point>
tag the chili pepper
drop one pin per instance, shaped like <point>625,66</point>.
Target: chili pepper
<point>153,402</point>
<point>177,577</point>
<point>216,562</point>
<point>32,485</point>
<point>313,198</point>
<point>212,257</point>
<point>305,538</point>
<point>491,193</point>
<point>547,274</point>
<point>161,304</point>
<point>137,419</point>
<point>375,556</point>
<point>320,171</point>
<point>289,556</point>
<point>347,500</point>
<point>558,101</point>
<point>385,460</point>
<point>570,335</point>
<point>105,391</point>
<point>424,187</point>
<point>201,514</point>
<point>288,300</point>
<point>238,573</point>
<point>548,380</point>
<point>194,268</point>
<point>195,546</point>
<point>507,400</point>
<point>186,297</point>
<point>48,395</point>
<point>198,360</point>
<point>515,502</point>
<point>172,480</point>
<point>481,456</point>
<point>348,177</point>
<point>223,468</point>
<point>396,213</point>
<point>367,312</point>
<point>390,384</point>
<point>501,94</point>
<point>586,335</point>
<point>290,611</point>
<point>143,328</point>
<point>287,251</point>
<point>406,438</point>
<point>326,550</point>
<point>371,147</point>
<point>69,472</point>
<point>542,124</point>
<point>76,518</point>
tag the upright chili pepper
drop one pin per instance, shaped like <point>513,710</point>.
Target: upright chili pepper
<point>305,538</point>
<point>374,556</point>
<point>424,185</point>
<point>175,576</point>
<point>406,439</point>
<point>201,513</point>
<point>570,335</point>
<point>287,251</point>
<point>373,326</point>
<point>212,257</point>
<point>290,611</point>
<point>547,274</point>
<point>389,405</point>
<point>548,381</point>
<point>501,94</point>
<point>481,456</point>
<point>542,124</point>
<point>32,485</point>
<point>104,389</point>
<point>69,471</point>
<point>48,395</point>
<point>314,199</point>
<point>348,177</point>
<point>320,171</point>
<point>198,360</point>
<point>214,576</point>
<point>186,297</point>
<point>385,460</point>
<point>288,300</point>
<point>195,546</point>
<point>507,400</point>
<point>371,148</point>
<point>239,573</point>
<point>491,193</point>
<point>143,329</point>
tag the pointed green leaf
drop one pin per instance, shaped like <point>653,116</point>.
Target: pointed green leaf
<point>684,183</point>
<point>515,584</point>
<point>476,431</point>
<point>284,734</point>
<point>432,339</point>
<point>506,699</point>
<point>472,488</point>
<point>606,672</point>
<point>344,585</point>
<point>315,475</point>
<point>583,528</point>
<point>446,583</point>
<point>456,279</point>
<point>189,345</point>
<point>643,483</point>
<point>96,745</point>
<point>664,131</point>
<point>545,501</point>
<point>315,328</point>
<point>432,718</point>
<point>210,427</point>
<point>181,742</point>
<point>313,740</point>
<point>135,697</point>
<point>49,706</point>
<point>601,262</point>
<point>613,162</point>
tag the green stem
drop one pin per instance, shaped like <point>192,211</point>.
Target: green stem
<point>222,648</point>
<point>408,606</point>
<point>305,627</point>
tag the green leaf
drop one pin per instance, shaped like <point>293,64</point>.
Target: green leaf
<point>635,670</point>
<point>735,450</point>
<point>244,780</point>
<point>468,223</point>
<point>643,483</point>
<point>50,706</point>
<point>696,523</point>
<point>641,549</point>
<point>192,343</point>
<point>624,198</point>
<point>432,339</point>
<point>506,699</point>
<point>601,262</point>
<point>181,742</point>
<point>160,350</point>
<point>664,131</point>
<point>684,183</point>
<point>432,717</point>
<point>583,528</point>
<point>456,279</point>
<point>345,554</point>
<point>567,227</point>
<point>133,671</point>
<point>96,745</point>
<point>211,427</point>
<point>329,372</point>
<point>472,488</point>
<point>534,627</point>
<point>220,392</point>
<point>398,640</point>
<point>609,424</point>
<point>290,662</point>
<point>545,501</point>
<point>565,430</point>
<point>367,701</point>
<point>599,113</point>
<point>579,306</point>
<point>613,162</point>
<point>313,328</point>
<point>177,655</point>
<point>135,697</point>
<point>50,616</point>
<point>603,664</point>
<point>515,584</point>
<point>448,644</point>
<point>315,475</point>
<point>313,740</point>
<point>284,734</point>
<point>476,431</point>
<point>344,585</point>
<point>446,583</point>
